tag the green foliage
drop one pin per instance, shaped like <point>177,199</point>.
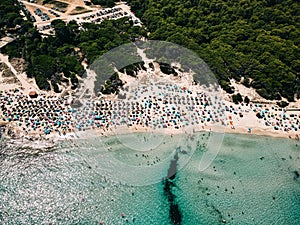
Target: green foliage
<point>44,64</point>
<point>58,4</point>
<point>167,69</point>
<point>46,2</point>
<point>9,15</point>
<point>138,7</point>
<point>64,33</point>
<point>104,3</point>
<point>55,86</point>
<point>98,39</point>
<point>256,39</point>
<point>226,86</point>
<point>49,58</point>
<point>237,98</point>
<point>133,68</point>
<point>282,104</point>
<point>112,85</point>
<point>246,100</point>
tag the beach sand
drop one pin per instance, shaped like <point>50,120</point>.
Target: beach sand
<point>155,102</point>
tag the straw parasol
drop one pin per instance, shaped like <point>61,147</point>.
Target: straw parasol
<point>33,94</point>
<point>2,123</point>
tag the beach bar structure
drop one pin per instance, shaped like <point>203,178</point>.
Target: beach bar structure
<point>33,94</point>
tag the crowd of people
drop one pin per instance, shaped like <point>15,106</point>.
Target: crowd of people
<point>172,107</point>
<point>154,107</point>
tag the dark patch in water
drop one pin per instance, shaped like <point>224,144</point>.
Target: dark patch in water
<point>296,174</point>
<point>173,168</point>
<point>174,211</point>
<point>175,214</point>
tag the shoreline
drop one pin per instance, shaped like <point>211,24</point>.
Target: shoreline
<point>51,141</point>
<point>155,102</point>
<point>170,132</point>
<point>247,125</point>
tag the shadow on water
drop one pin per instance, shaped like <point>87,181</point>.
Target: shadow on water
<point>169,185</point>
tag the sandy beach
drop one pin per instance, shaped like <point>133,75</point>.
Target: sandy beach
<point>154,102</point>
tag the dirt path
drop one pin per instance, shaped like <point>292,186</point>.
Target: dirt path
<point>21,77</point>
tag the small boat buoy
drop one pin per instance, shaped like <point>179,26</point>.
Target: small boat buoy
<point>123,215</point>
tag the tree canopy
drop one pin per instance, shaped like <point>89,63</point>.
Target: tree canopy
<point>10,17</point>
<point>255,39</point>
<point>104,3</point>
<point>52,58</point>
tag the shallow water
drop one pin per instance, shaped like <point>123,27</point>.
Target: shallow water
<point>251,181</point>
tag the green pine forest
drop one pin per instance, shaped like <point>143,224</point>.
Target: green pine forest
<point>258,40</point>
<point>255,42</point>
<point>51,57</point>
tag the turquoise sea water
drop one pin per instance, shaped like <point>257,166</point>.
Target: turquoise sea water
<point>251,181</point>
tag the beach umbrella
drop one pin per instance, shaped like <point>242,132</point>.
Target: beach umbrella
<point>33,94</point>
<point>98,117</point>
<point>47,131</point>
